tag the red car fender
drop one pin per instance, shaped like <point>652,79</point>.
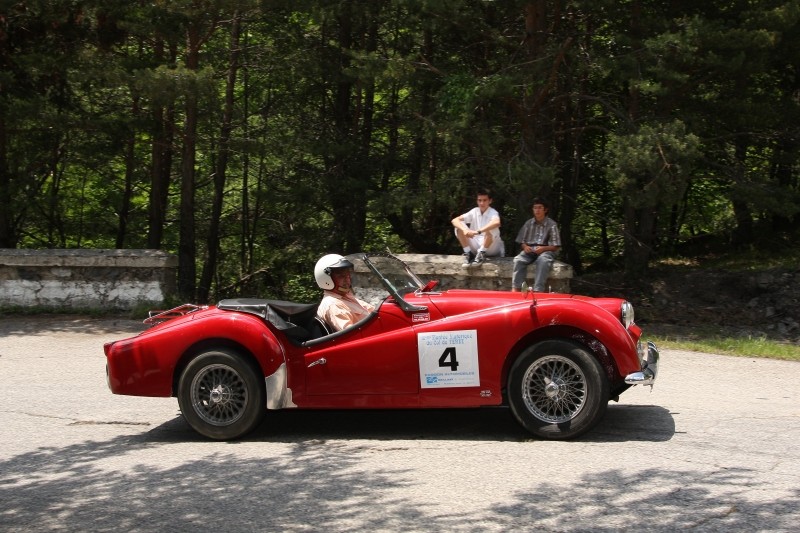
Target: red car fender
<point>146,365</point>
<point>596,322</point>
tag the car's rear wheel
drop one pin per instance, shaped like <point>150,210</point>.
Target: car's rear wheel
<point>221,395</point>
<point>557,390</point>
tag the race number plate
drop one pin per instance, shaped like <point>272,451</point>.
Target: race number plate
<point>448,359</point>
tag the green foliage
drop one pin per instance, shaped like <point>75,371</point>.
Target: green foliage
<point>364,125</point>
<point>303,288</point>
<point>652,166</point>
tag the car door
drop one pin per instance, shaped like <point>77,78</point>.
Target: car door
<point>381,360</point>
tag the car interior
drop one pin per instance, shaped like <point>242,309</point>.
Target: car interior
<point>299,321</point>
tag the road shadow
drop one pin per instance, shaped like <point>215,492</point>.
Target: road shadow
<point>621,424</point>
<point>141,483</point>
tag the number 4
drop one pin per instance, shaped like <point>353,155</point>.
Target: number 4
<point>448,358</point>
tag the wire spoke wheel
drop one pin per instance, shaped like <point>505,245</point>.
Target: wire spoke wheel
<point>554,389</point>
<point>557,389</point>
<point>219,395</point>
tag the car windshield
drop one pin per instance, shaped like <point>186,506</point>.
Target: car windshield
<point>394,272</point>
<point>389,272</point>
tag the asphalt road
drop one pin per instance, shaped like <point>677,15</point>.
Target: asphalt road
<point>713,447</point>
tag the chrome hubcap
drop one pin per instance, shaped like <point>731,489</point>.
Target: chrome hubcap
<point>220,394</point>
<point>552,389</point>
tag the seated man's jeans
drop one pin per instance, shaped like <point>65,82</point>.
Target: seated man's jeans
<point>543,263</point>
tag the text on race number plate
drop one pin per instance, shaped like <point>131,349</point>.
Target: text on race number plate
<point>448,359</point>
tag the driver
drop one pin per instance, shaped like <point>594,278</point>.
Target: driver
<point>339,307</point>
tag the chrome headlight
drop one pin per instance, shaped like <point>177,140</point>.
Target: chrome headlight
<point>626,314</point>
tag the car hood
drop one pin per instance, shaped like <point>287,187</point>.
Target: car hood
<point>460,301</point>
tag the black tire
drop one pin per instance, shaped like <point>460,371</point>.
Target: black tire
<point>222,395</point>
<point>557,390</point>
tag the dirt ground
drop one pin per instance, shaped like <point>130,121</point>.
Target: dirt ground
<point>679,300</point>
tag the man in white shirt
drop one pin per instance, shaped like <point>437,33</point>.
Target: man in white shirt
<point>339,307</point>
<point>478,231</point>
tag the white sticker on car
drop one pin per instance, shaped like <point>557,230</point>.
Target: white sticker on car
<point>448,359</point>
<point>421,317</point>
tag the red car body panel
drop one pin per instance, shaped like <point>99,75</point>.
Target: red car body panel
<point>377,365</point>
<point>145,365</point>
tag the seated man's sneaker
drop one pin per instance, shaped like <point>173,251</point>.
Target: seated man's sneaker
<point>479,259</point>
<point>468,256</point>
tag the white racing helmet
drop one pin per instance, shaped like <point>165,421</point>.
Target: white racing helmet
<point>323,268</point>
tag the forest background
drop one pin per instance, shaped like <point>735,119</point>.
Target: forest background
<point>251,137</point>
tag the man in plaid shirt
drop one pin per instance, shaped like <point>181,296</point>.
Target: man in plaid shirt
<point>540,241</point>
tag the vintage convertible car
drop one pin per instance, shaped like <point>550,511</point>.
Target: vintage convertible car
<point>554,359</point>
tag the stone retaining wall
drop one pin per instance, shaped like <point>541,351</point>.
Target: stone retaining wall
<point>85,279</point>
<point>124,279</point>
<point>495,274</point>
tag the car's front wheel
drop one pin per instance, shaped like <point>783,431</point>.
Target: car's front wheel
<point>557,390</point>
<point>221,395</point>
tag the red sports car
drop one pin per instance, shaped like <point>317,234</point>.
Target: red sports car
<point>554,359</point>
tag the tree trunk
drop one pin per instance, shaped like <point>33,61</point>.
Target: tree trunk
<point>421,159</point>
<point>784,161</point>
<point>743,232</point>
<point>187,247</point>
<point>246,242</point>
<point>127,193</point>
<point>639,222</point>
<point>212,242</point>
<point>345,184</point>
<point>639,226</point>
<point>161,166</point>
<point>56,235</point>
<point>7,239</point>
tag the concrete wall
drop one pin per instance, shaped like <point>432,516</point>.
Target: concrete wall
<point>124,279</point>
<point>495,274</point>
<point>85,279</point>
